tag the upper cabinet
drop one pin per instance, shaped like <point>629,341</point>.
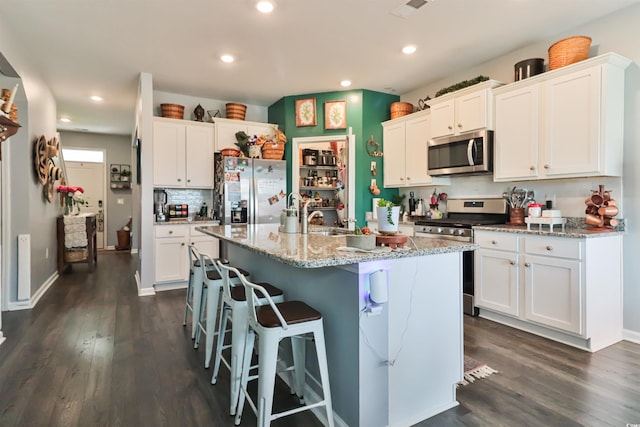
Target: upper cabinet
<point>405,151</point>
<point>565,123</point>
<point>464,110</point>
<point>226,131</point>
<point>182,153</point>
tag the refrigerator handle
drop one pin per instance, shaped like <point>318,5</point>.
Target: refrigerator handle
<point>253,199</point>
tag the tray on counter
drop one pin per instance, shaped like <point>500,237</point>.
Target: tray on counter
<point>545,220</point>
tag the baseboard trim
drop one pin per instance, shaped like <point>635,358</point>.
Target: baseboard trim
<point>29,304</point>
<point>170,286</point>
<point>629,335</point>
<point>2,338</point>
<point>143,292</point>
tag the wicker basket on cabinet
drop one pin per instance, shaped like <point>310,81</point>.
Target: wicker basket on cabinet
<point>568,51</point>
<point>273,151</point>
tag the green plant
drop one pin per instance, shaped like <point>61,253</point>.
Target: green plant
<point>462,85</point>
<point>389,205</point>
<point>398,200</point>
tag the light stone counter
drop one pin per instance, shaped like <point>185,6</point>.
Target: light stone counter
<point>569,231</point>
<point>315,250</point>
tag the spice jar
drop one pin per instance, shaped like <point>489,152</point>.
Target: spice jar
<point>535,210</point>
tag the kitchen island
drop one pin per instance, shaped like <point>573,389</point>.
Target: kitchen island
<point>392,364</point>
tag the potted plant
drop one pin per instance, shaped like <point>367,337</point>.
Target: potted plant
<point>361,239</point>
<point>125,174</point>
<point>388,216</point>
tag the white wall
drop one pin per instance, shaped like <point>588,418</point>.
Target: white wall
<point>255,113</point>
<point>610,34</point>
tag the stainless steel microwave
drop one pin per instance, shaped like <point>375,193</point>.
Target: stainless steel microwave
<point>469,153</point>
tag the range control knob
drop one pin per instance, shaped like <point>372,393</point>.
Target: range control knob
<point>461,232</point>
<point>452,230</point>
<point>439,230</point>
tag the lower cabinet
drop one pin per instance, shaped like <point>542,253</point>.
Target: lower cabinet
<point>568,289</point>
<point>171,258</point>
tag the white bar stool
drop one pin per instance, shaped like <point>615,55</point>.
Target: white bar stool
<point>212,286</point>
<point>272,323</point>
<point>194,289</point>
<point>234,306</point>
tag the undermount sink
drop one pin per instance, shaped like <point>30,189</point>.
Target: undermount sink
<point>329,231</point>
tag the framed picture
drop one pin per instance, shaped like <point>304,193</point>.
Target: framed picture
<point>306,112</point>
<point>335,114</point>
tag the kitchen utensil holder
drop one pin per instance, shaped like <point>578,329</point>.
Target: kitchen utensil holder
<point>516,216</point>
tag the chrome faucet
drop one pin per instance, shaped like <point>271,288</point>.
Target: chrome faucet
<point>307,217</point>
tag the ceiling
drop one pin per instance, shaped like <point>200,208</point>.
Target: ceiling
<point>85,47</point>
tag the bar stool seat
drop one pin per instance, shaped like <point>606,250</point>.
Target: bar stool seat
<point>212,287</point>
<point>233,307</point>
<point>272,323</point>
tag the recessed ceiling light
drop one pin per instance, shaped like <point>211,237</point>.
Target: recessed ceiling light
<point>65,120</point>
<point>265,6</point>
<point>408,50</point>
<point>345,83</point>
<point>96,98</point>
<point>227,58</point>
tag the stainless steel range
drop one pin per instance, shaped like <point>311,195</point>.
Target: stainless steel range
<point>462,215</point>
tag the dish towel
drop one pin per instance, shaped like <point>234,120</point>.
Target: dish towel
<point>75,232</point>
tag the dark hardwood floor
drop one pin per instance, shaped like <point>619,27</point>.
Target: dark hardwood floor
<point>93,353</point>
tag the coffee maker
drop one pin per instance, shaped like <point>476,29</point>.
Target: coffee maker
<point>159,202</point>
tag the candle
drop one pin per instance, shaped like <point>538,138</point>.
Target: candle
<point>7,106</point>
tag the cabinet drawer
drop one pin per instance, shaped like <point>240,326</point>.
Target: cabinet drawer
<point>497,241</point>
<point>558,247</point>
<point>170,231</point>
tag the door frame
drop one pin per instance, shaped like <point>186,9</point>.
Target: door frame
<point>105,186</point>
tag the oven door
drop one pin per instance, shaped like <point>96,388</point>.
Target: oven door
<point>463,154</point>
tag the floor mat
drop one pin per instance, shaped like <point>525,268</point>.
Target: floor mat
<point>474,370</point>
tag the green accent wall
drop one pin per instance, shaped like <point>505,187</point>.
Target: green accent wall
<point>366,110</point>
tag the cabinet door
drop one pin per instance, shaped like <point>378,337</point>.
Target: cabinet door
<point>394,158</point>
<point>517,134</point>
<point>571,141</point>
<point>226,134</point>
<point>199,156</point>
<point>168,154</point>
<point>171,263</point>
<point>206,245</point>
<point>471,112</point>
<point>553,295</point>
<point>442,118</point>
<point>417,133</point>
<point>497,281</point>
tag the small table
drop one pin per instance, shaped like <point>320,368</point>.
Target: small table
<point>91,257</point>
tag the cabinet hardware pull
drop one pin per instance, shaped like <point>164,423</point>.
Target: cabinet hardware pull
<point>547,166</point>
<point>450,127</point>
<point>408,178</point>
<point>182,244</point>
<point>493,242</point>
<point>549,248</point>
<point>170,231</point>
<point>512,262</point>
<point>179,179</point>
<point>401,179</point>
<point>526,264</point>
<point>188,180</point>
<point>460,125</point>
<point>532,168</point>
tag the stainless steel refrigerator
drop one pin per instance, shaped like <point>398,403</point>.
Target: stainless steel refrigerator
<point>249,191</point>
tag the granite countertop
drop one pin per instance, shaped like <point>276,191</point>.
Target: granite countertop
<point>187,221</point>
<point>570,231</point>
<point>315,250</point>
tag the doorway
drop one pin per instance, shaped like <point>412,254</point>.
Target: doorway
<point>90,175</point>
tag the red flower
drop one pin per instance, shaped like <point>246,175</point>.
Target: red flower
<point>69,189</point>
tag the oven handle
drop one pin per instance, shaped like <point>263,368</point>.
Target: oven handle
<point>470,149</point>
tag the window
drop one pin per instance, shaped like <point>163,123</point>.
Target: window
<point>79,155</point>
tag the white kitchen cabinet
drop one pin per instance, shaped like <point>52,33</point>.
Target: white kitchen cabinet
<point>171,243</point>
<point>170,253</point>
<point>182,154</point>
<point>225,131</point>
<point>565,123</point>
<point>497,276</point>
<point>567,289</point>
<point>464,110</point>
<point>405,151</point>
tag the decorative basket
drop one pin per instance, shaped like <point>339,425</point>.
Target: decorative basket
<point>236,111</point>
<point>71,255</point>
<point>568,51</point>
<point>399,109</point>
<point>172,111</point>
<point>230,152</point>
<point>273,151</point>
